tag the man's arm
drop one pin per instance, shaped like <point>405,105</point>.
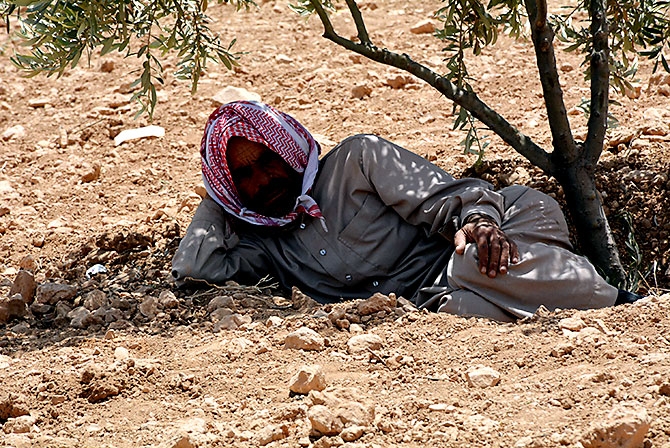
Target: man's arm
<point>423,194</point>
<point>210,251</point>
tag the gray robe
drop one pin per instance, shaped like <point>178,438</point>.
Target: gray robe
<point>390,217</point>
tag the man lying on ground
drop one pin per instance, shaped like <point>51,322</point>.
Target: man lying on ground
<point>371,217</point>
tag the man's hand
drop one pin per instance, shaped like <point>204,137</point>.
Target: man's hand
<point>495,250</point>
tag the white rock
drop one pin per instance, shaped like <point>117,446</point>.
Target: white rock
<point>572,324</point>
<point>304,338</point>
<point>352,433</point>
<point>364,342</point>
<point>482,377</point>
<point>133,134</point>
<point>39,102</point>
<point>121,353</point>
<point>283,59</point>
<point>5,187</point>
<point>355,413</point>
<point>307,379</point>
<point>324,421</point>
<point>16,132</point>
<point>624,427</point>
<point>19,425</point>
<point>230,93</point>
<point>274,321</point>
<point>270,434</point>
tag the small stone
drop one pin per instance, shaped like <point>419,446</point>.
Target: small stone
<point>221,302</point>
<point>352,433</point>
<point>307,379</point>
<point>230,93</point>
<point>38,240</point>
<point>28,263</point>
<point>423,27</point>
<point>149,307</point>
<point>231,321</point>
<point>80,317</point>
<point>19,425</point>
<point>12,307</point>
<point>364,342</point>
<point>50,293</point>
<point>91,174</point>
<point>304,339</point>
<point>63,139</point>
<point>121,354</point>
<point>17,132</point>
<point>572,324</point>
<point>283,59</point>
<point>361,91</point>
<point>107,67</point>
<point>110,334</point>
<point>378,302</point>
<point>562,349</point>
<point>324,421</point>
<point>39,102</point>
<point>274,321</point>
<point>482,377</point>
<point>168,300</point>
<point>270,434</point>
<point>24,284</point>
<point>95,299</point>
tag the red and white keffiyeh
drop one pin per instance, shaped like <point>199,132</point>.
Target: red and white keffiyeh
<point>262,124</point>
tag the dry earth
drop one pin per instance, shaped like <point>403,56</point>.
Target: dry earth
<point>122,359</point>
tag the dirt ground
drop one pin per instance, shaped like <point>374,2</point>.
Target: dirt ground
<point>123,359</point>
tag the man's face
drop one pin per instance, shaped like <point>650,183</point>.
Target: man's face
<point>265,182</point>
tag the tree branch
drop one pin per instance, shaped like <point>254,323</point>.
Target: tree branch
<point>358,20</point>
<point>543,36</point>
<point>597,124</point>
<point>464,98</point>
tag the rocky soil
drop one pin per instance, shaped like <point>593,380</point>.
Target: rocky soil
<point>98,348</point>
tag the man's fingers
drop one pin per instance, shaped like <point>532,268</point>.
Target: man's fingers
<point>483,251</point>
<point>495,254</point>
<point>505,256</point>
<point>514,252</point>
<point>459,242</point>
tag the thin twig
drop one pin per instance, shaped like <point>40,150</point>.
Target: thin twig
<point>360,24</point>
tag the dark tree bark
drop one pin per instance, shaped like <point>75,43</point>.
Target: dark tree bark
<point>572,164</point>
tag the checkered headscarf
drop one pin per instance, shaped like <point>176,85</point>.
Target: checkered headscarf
<point>262,124</point>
